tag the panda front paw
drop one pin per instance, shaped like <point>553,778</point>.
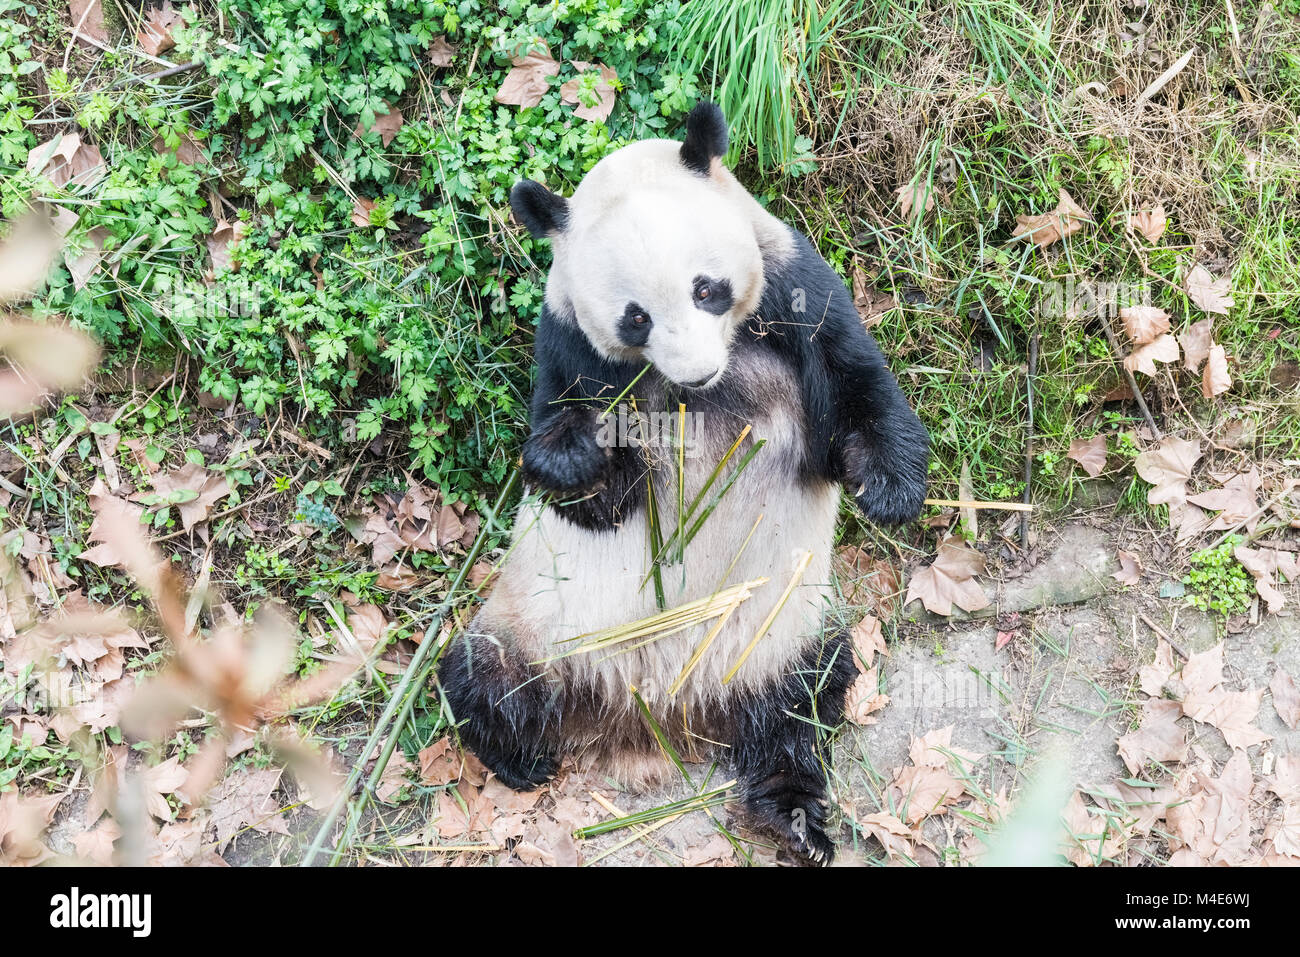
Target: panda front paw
<point>565,456</point>
<point>888,484</point>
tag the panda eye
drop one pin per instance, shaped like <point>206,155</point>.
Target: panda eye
<point>703,290</point>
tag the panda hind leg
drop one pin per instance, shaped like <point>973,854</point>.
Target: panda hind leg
<point>779,754</point>
<point>506,710</point>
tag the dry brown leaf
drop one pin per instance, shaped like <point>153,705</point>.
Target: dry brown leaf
<point>868,639</point>
<point>223,242</point>
<point>83,265</point>
<point>1066,220</point>
<point>177,486</point>
<point>867,580</point>
<point>571,93</point>
<point>1152,678</point>
<point>1286,697</point>
<point>361,212</point>
<point>870,302</point>
<point>90,15</point>
<point>1196,343</point>
<point>386,125</point>
<point>66,161</point>
<point>1216,379</point>
<point>1158,738</point>
<point>1213,823</point>
<point>44,357</point>
<point>23,820</point>
<point>1130,568</point>
<point>925,790</point>
<point>441,53</point>
<point>528,79</point>
<point>1235,501</point>
<point>1168,467</point>
<point>394,777</point>
<point>912,196</point>
<point>1210,294</point>
<point>864,698</point>
<point>1090,453</point>
<point>107,507</point>
<point>245,799</point>
<point>159,781</point>
<point>1144,324</point>
<point>949,580</point>
<point>1150,223</point>
<point>155,35</point>
<point>96,844</point>
<point>1231,712</point>
<point>1144,358</point>
<point>1090,833</point>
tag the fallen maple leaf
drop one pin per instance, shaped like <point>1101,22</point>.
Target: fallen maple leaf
<point>1213,823</point>
<point>1286,697</point>
<point>1196,343</point>
<point>386,125</point>
<point>870,302</point>
<point>1090,453</point>
<point>66,160</point>
<point>1066,220</point>
<point>1235,501</point>
<point>912,196</point>
<point>1217,379</point>
<point>156,35</point>
<point>159,781</point>
<point>864,698</point>
<point>1158,737</point>
<point>1152,678</point>
<point>1092,835</point>
<point>1144,358</point>
<point>192,489</point>
<point>949,580</point>
<point>528,79</point>
<point>1144,324</point>
<point>88,20</point>
<point>96,844</point>
<point>1149,222</point>
<point>572,92</point>
<point>441,52</point>
<point>223,242</point>
<point>361,212</point>
<point>1168,468</point>
<point>23,819</point>
<point>1210,294</point>
<point>244,799</point>
<point>868,639</point>
<point>105,507</point>
<point>1130,568</point>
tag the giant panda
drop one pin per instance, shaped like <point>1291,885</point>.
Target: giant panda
<point>671,285</point>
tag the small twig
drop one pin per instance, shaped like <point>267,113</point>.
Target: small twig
<point>234,508</point>
<point>1165,635</point>
<point>1132,382</point>
<point>1029,439</point>
<point>160,75</point>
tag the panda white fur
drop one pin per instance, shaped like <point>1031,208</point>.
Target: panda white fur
<point>662,257</point>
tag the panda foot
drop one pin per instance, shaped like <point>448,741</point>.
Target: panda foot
<point>519,774</point>
<point>794,818</point>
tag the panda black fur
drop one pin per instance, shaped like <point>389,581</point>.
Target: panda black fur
<point>662,257</point>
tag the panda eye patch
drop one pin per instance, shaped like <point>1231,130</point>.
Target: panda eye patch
<point>634,325</point>
<point>712,295</point>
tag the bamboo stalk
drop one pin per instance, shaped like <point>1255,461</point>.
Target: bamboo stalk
<point>964,503</point>
<point>776,610</point>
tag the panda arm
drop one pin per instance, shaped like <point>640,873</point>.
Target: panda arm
<point>562,454</point>
<point>878,447</point>
<point>862,432</point>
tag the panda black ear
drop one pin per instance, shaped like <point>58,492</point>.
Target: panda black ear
<point>546,214</point>
<point>706,137</point>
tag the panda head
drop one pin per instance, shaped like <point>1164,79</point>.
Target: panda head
<point>658,255</point>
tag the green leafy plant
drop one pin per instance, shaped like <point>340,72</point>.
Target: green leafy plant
<point>1217,581</point>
